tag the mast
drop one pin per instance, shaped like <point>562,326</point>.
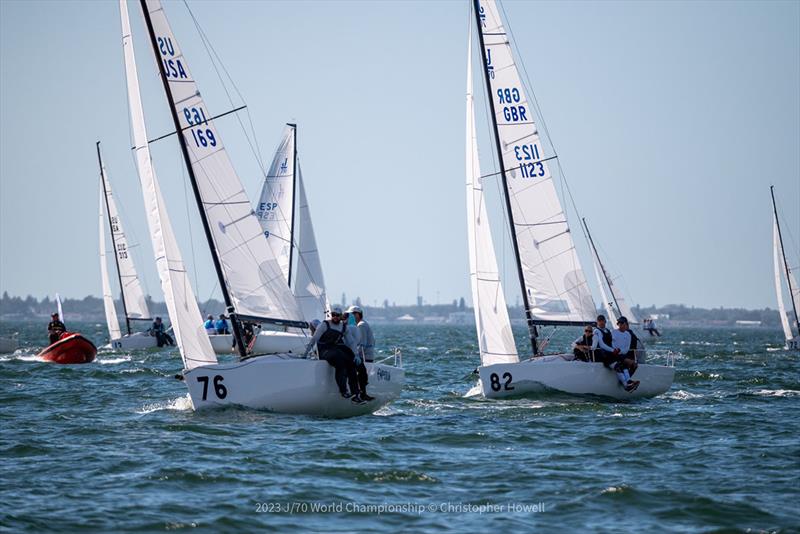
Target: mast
<point>111,228</point>
<point>602,268</point>
<point>783,255</point>
<point>237,333</point>
<point>294,201</point>
<point>532,331</point>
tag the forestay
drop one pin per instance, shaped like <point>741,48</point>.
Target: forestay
<point>187,324</point>
<point>495,338</point>
<point>135,303</point>
<point>252,275</point>
<point>309,285</point>
<point>108,298</point>
<point>554,282</point>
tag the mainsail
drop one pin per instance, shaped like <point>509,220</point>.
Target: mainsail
<point>132,296</point>
<point>187,324</point>
<point>555,288</point>
<point>495,338</point>
<point>108,298</point>
<point>777,258</point>
<point>252,278</point>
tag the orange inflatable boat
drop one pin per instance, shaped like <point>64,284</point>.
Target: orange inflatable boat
<point>70,348</point>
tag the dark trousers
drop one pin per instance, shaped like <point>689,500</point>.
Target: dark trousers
<point>363,380</point>
<point>54,336</point>
<point>162,338</point>
<point>609,359</point>
<point>343,361</point>
<point>580,355</point>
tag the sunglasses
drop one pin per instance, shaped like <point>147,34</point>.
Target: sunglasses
<point>336,315</point>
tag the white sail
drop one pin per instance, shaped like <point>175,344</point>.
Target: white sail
<point>608,303</point>
<point>135,303</point>
<point>108,298</point>
<point>187,324</point>
<point>254,279</point>
<point>58,308</point>
<point>777,257</point>
<point>276,203</point>
<point>495,338</point>
<point>308,284</point>
<point>554,281</point>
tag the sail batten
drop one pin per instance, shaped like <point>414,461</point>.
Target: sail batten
<point>187,324</point>
<point>552,279</point>
<point>495,338</point>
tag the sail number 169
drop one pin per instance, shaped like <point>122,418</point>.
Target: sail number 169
<point>203,137</point>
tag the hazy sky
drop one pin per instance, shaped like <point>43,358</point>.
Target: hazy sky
<point>671,119</point>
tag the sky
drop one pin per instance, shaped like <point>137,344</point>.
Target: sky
<point>671,120</point>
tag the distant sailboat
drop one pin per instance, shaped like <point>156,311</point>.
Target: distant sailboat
<point>285,217</point>
<point>252,284</point>
<point>134,305</point>
<point>554,289</point>
<point>783,270</point>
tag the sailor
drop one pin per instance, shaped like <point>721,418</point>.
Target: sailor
<point>651,328</point>
<point>601,343</point>
<point>366,349</point>
<point>336,344</point>
<point>221,325</point>
<point>624,343</point>
<point>209,325</point>
<point>55,328</point>
<point>160,333</point>
<point>582,347</point>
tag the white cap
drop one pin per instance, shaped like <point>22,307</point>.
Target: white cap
<point>336,309</point>
<point>355,309</point>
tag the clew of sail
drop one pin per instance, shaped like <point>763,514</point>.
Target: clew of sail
<point>309,285</point>
<point>777,257</point>
<point>135,303</point>
<point>253,277</point>
<point>495,338</point>
<point>187,324</point>
<point>108,298</point>
<point>554,281</point>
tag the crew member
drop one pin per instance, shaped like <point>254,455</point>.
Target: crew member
<point>209,325</point>
<point>624,343</point>
<point>221,325</point>
<point>55,328</point>
<point>160,332</point>
<point>601,343</point>
<point>582,347</point>
<point>337,344</point>
<point>366,349</point>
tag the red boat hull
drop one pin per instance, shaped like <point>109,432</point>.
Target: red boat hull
<point>71,348</point>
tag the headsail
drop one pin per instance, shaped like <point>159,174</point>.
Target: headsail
<point>554,282</point>
<point>108,298</point>
<point>252,276</point>
<point>187,324</point>
<point>778,262</point>
<point>782,264</point>
<point>309,285</point>
<point>616,305</point>
<point>495,338</point>
<point>133,297</point>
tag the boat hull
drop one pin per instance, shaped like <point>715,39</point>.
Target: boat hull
<point>793,344</point>
<point>284,384</point>
<point>135,341</point>
<point>70,349</point>
<point>268,342</point>
<point>556,373</point>
<point>8,344</point>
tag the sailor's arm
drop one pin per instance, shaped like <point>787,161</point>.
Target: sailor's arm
<point>321,329</point>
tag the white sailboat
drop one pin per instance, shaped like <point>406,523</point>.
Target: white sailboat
<point>285,217</point>
<point>554,288</point>
<point>782,269</point>
<point>252,283</point>
<point>132,297</point>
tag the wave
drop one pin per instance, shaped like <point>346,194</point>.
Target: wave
<point>181,404</point>
<point>777,392</point>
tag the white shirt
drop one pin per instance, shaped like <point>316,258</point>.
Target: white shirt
<point>367,340</point>
<point>597,340</point>
<point>350,335</point>
<point>621,341</point>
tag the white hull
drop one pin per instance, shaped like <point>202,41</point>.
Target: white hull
<point>135,341</point>
<point>268,342</point>
<point>554,373</point>
<point>8,344</point>
<point>793,344</point>
<point>283,384</point>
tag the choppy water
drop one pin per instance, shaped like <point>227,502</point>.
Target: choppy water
<point>114,446</point>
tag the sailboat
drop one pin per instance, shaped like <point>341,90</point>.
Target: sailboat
<point>553,286</point>
<point>782,269</point>
<point>285,217</point>
<point>253,286</point>
<point>134,305</point>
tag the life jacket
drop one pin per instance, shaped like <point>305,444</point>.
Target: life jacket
<point>607,339</point>
<point>634,340</point>
<point>331,338</point>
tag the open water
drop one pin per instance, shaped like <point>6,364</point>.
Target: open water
<point>114,445</point>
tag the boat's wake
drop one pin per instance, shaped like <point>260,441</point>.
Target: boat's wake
<point>181,404</point>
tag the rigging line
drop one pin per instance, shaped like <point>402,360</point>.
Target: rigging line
<point>212,53</point>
